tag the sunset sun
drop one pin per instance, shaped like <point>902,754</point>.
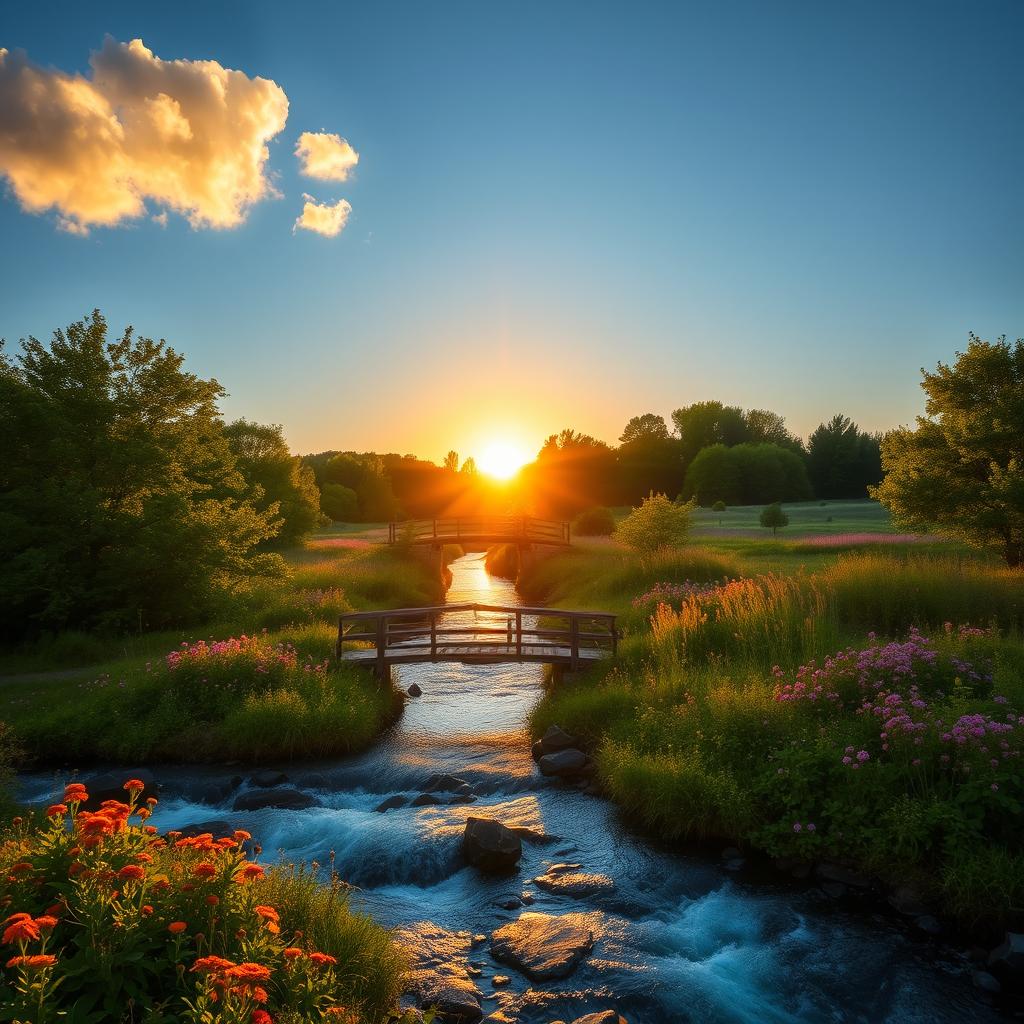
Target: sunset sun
<point>502,460</point>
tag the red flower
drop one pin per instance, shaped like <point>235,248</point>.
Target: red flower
<point>56,810</point>
<point>205,870</point>
<point>46,923</point>
<point>134,786</point>
<point>322,959</point>
<point>176,927</point>
<point>249,973</point>
<point>33,963</point>
<point>261,1017</point>
<point>133,871</point>
<point>24,929</point>
<point>291,952</point>
<point>212,965</point>
<point>249,872</point>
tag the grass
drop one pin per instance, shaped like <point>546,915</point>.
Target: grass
<point>696,737</point>
<point>94,698</point>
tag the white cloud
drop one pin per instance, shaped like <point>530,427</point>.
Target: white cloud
<point>323,218</point>
<point>325,156</point>
<point>191,136</point>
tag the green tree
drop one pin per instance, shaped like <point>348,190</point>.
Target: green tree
<point>767,427</point>
<point>647,427</point>
<point>707,423</point>
<point>773,518</point>
<point>961,471</point>
<point>451,461</point>
<point>120,499</point>
<point>280,484</point>
<point>339,503</point>
<point>842,460</point>
<point>655,524</point>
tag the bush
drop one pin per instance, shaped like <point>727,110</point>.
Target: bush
<point>656,524</point>
<point>719,506</point>
<point>594,522</point>
<point>111,921</point>
<point>772,518</point>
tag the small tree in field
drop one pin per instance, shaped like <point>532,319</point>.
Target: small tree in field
<point>657,523</point>
<point>961,472</point>
<point>772,517</point>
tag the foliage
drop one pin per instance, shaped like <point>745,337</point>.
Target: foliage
<point>773,518</point>
<point>110,920</point>
<point>282,484</point>
<point>121,503</point>
<point>339,503</point>
<point>842,460</point>
<point>594,522</point>
<point>719,506</point>
<point>655,524</point>
<point>961,471</point>
<point>747,474</point>
<point>647,427</point>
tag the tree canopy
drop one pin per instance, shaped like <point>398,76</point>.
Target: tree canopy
<point>961,471</point>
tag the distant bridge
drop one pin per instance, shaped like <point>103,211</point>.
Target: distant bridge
<point>522,530</point>
<point>475,634</point>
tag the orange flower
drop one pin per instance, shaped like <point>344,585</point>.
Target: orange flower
<point>267,913</point>
<point>176,927</point>
<point>152,801</point>
<point>249,872</point>
<point>133,871</point>
<point>75,793</point>
<point>261,1017</point>
<point>212,965</point>
<point>143,813</point>
<point>56,810</point>
<point>259,994</point>
<point>147,909</point>
<point>249,973</point>
<point>20,867</point>
<point>22,930</point>
<point>46,923</point>
<point>33,963</point>
<point>143,858</point>
<point>205,870</point>
<point>150,830</point>
<point>241,835</point>
<point>322,960</point>
<point>291,952</point>
<point>134,786</point>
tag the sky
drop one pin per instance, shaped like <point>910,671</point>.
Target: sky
<point>510,218</point>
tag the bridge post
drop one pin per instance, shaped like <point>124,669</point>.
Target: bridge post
<point>433,636</point>
<point>519,634</point>
<point>574,632</point>
<point>382,648</point>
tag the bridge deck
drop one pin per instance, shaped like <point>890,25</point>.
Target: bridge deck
<point>475,634</point>
<point>481,530</point>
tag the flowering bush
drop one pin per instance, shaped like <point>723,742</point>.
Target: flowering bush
<point>106,917</point>
<point>674,593</point>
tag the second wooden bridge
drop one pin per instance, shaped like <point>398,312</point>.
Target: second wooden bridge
<point>523,530</point>
<point>477,634</point>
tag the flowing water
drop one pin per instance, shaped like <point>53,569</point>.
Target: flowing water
<point>679,938</point>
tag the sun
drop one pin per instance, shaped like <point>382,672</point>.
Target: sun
<point>502,460</point>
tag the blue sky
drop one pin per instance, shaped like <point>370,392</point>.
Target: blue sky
<point>567,214</point>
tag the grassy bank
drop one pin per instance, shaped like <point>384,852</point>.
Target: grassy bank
<point>259,684</point>
<point>860,709</point>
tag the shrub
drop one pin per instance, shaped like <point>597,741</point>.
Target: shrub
<point>109,920</point>
<point>719,506</point>
<point>656,524</point>
<point>772,518</point>
<point>594,522</point>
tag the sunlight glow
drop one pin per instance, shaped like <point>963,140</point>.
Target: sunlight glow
<point>502,460</point>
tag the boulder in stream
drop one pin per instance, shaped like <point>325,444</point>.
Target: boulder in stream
<point>390,804</point>
<point>217,828</point>
<point>573,883</point>
<point>268,778</point>
<point>490,846</point>
<point>425,800</point>
<point>456,1000</point>
<point>414,690</point>
<point>110,786</point>
<point>601,1017</point>
<point>563,762</point>
<point>543,946</point>
<point>551,742</point>
<point>283,797</point>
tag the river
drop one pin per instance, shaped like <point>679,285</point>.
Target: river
<point>678,938</point>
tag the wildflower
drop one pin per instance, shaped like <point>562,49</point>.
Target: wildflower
<point>994,786</point>
<point>146,909</point>
<point>291,952</point>
<point>56,810</point>
<point>134,786</point>
<point>205,870</point>
<point>212,965</point>
<point>21,867</point>
<point>322,960</point>
<point>797,827</point>
<point>38,962</point>
<point>212,900</point>
<point>46,923</point>
<point>176,927</point>
<point>249,872</point>
<point>261,1017</point>
<point>862,756</point>
<point>133,872</point>
<point>249,973</point>
<point>810,826</point>
<point>24,929</point>
<point>267,913</point>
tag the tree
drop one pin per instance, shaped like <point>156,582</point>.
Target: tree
<point>767,427</point>
<point>573,471</point>
<point>451,462</point>
<point>707,423</point>
<point>469,467</point>
<point>121,503</point>
<point>280,484</point>
<point>773,518</point>
<point>657,523</point>
<point>647,427</point>
<point>961,471</point>
<point>339,503</point>
<point>747,474</point>
<point>842,460</point>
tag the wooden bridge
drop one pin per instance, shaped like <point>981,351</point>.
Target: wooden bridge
<point>521,530</point>
<point>475,634</point>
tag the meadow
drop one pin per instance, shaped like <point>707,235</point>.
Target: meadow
<point>850,702</point>
<point>259,683</point>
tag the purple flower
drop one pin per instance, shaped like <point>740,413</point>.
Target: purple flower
<point>797,827</point>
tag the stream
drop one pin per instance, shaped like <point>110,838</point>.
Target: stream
<point>678,938</point>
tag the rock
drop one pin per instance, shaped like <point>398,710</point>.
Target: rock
<point>283,797</point>
<point>463,798</point>
<point>1009,955</point>
<point>986,982</point>
<point>552,741</point>
<point>456,999</point>
<point>446,784</point>
<point>490,846</point>
<point>464,790</point>
<point>425,800</point>
<point>574,883</point>
<point>563,762</point>
<point>473,971</point>
<point>479,940</point>
<point>217,828</point>
<point>512,903</point>
<point>110,786</point>
<point>602,1017</point>
<point>542,946</point>
<point>314,780</point>
<point>268,778</point>
<point>834,890</point>
<point>526,898</point>
<point>905,900</point>
<point>503,979</point>
<point>390,804</point>
<point>836,873</point>
<point>414,690</point>
<point>928,924</point>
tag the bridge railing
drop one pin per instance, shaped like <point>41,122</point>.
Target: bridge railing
<point>476,630</point>
<point>452,530</point>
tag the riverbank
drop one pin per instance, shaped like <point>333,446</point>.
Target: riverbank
<point>864,714</point>
<point>257,685</point>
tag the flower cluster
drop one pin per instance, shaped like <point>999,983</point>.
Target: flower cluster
<point>265,654</point>
<point>674,593</point>
<point>191,932</point>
